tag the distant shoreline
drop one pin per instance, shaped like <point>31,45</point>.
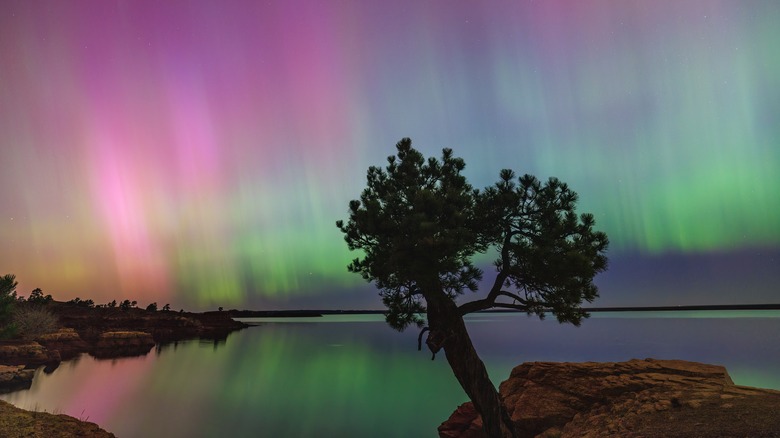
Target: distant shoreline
<point>319,313</point>
<point>696,307</point>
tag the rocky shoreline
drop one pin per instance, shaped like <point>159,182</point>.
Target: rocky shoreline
<point>639,398</point>
<point>104,333</point>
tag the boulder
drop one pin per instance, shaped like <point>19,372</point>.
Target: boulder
<point>15,378</point>
<point>122,344</point>
<point>66,341</point>
<point>29,353</point>
<point>648,398</point>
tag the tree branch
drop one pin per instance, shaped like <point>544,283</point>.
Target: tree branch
<point>520,307</point>
<point>503,273</point>
<point>475,306</point>
<point>513,296</point>
<point>485,304</point>
<point>419,337</point>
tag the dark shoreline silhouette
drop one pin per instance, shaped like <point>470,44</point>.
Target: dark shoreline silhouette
<point>318,313</point>
<point>691,307</point>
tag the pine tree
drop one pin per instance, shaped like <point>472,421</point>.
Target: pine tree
<point>8,285</point>
<point>419,223</point>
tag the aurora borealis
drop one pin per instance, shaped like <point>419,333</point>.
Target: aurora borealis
<point>199,152</point>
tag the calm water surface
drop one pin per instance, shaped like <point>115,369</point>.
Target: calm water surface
<point>354,376</point>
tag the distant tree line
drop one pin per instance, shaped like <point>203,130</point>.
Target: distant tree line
<point>124,305</point>
<point>30,317</point>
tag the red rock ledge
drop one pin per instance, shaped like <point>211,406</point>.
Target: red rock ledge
<point>638,398</point>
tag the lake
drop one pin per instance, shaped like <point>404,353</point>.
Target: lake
<point>354,376</point>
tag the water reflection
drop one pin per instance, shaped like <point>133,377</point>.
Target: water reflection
<point>353,376</point>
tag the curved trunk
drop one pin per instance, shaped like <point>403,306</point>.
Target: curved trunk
<point>448,331</point>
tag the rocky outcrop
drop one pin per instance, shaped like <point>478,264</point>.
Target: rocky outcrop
<point>648,398</point>
<point>18,423</point>
<point>108,333</point>
<point>103,333</point>
<point>112,332</point>
<point>65,341</point>
<point>28,353</point>
<point>14,378</point>
<point>164,326</point>
<point>122,344</point>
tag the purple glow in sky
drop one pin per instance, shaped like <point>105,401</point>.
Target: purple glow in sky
<point>199,152</point>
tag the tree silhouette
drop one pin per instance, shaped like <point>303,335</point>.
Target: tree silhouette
<point>37,297</point>
<point>127,305</point>
<point>8,285</point>
<point>419,223</point>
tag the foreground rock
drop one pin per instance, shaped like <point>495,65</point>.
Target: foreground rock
<point>638,398</point>
<point>18,423</point>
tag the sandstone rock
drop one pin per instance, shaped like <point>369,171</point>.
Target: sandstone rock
<point>15,378</point>
<point>122,344</point>
<point>27,353</point>
<point>649,398</point>
<point>465,422</point>
<point>66,341</point>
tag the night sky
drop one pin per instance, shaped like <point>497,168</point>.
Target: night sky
<point>198,153</point>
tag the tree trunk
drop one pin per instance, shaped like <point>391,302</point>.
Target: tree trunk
<point>448,331</point>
